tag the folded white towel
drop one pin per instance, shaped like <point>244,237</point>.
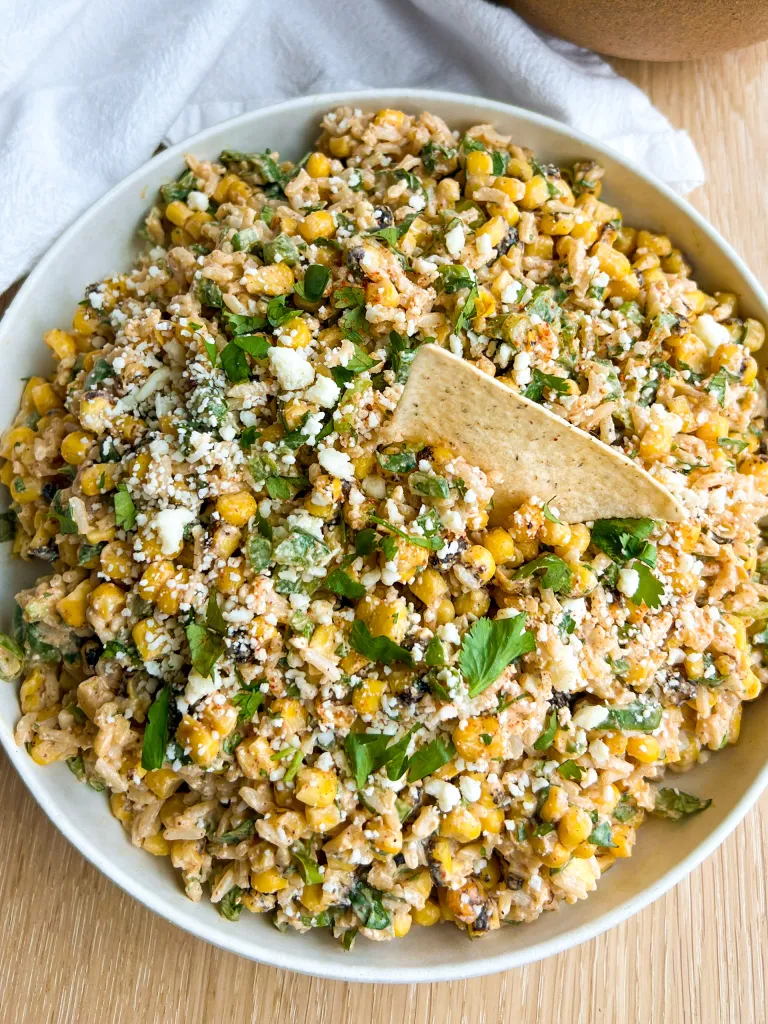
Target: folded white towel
<point>89,88</point>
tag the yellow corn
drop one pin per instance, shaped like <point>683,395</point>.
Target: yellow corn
<point>319,224</point>
<point>203,746</point>
<point>316,787</point>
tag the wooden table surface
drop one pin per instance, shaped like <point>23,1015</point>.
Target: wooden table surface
<point>75,950</point>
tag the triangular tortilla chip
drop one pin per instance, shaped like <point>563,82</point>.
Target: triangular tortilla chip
<point>529,450</point>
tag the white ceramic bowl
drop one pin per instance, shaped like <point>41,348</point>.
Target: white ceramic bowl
<point>101,242</point>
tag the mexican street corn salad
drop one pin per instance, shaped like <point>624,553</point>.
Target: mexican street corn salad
<point>312,669</point>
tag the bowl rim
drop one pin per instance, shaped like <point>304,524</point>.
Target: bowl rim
<point>274,955</point>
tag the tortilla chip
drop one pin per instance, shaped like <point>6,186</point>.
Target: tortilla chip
<point>526,449</point>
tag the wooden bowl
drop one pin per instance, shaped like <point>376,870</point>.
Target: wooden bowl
<point>651,29</point>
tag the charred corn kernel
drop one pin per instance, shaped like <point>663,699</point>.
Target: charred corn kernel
<point>757,467</point>
<point>750,370</point>
<point>194,225</point>
<point>541,248</point>
<point>612,262</point>
<point>151,642</point>
<point>658,244</point>
<point>512,187</point>
<point>583,580</point>
<point>480,562</point>
<point>203,746</point>
<point>616,741</point>
<point>85,320</point>
<point>401,922</point>
<point>430,587</point>
<point>292,712</point>
<point>275,279</point>
<point>555,534</point>
<point>315,787</point>
<point>626,288</point>
<point>699,301</point>
<point>461,824</point>
<point>236,509</point>
<point>479,162</point>
<point>623,840</point>
<point>558,223</point>
<point>313,898</point>
<point>268,881</point>
<point>501,546</point>
<point>27,403</point>
<point>656,442</point>
<point>384,839</point>
<point>574,827</point>
<point>367,696</point>
<point>389,618</point>
<point>73,607</point>
<point>690,351</point>
<point>107,600</point>
<point>296,333</point>
<point>340,146</point>
<point>318,165</point>
<point>473,602</point>
<point>75,447</point>
<point>180,237</point>
<point>392,118</point>
<point>230,579</point>
<point>154,577</point>
<point>643,748</point>
<point>382,293</point>
<point>15,441</point>
<point>557,857</point>
<point>739,630</point>
<point>427,916</point>
<point>750,688</point>
<point>220,718</point>
<point>577,543</point>
<point>178,213</point>
<point>604,798</point>
<point>163,782</point>
<point>754,335</point>
<point>536,193</point>
<point>118,804</point>
<point>586,230</point>
<point>556,804</point>
<point>494,230</point>
<point>584,851</point>
<point>99,478</point>
<point>319,224</point>
<point>729,356</point>
<point>45,398</point>
<point>30,693</point>
<point>626,240</point>
<point>157,845</point>
<point>225,541</point>
<point>478,738</point>
<point>323,819</point>
<point>172,592</point>
<point>713,429</point>
<point>61,344</point>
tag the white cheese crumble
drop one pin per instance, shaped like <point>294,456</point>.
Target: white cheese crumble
<point>197,201</point>
<point>471,789</point>
<point>590,716</point>
<point>446,794</point>
<point>291,368</point>
<point>711,332</point>
<point>199,686</point>
<point>454,239</point>
<point>169,527</point>
<point>522,369</point>
<point>628,581</point>
<point>337,463</point>
<point>325,392</point>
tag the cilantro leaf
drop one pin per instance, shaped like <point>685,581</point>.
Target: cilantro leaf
<point>491,645</point>
<point>308,867</point>
<point>237,834</point>
<point>621,539</point>
<point>718,384</point>
<point>602,835</point>
<point>429,758</point>
<point>555,573</point>
<point>674,804</point>
<point>125,510</point>
<point>366,753</point>
<point>544,742</point>
<point>377,648</point>
<point>156,732</point>
<point>237,324</point>
<point>205,648</point>
<point>234,363</point>
<point>541,380</point>
<point>433,542</point>
<point>67,524</point>
<point>571,770</point>
<point>650,590</point>
<point>255,345</point>
<point>453,278</point>
<point>341,583</point>
<point>248,700</point>
<point>434,656</point>
<point>316,277</point>
<point>637,716</point>
<point>367,905</point>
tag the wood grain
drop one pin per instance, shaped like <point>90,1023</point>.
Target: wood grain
<point>75,950</point>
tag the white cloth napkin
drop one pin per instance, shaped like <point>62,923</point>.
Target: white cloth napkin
<point>89,88</point>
